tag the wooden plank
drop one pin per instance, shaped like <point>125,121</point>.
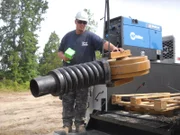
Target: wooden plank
<point>116,98</point>
<point>147,106</point>
<point>149,111</point>
<point>175,94</point>
<point>172,96</point>
<point>173,101</point>
<point>121,103</point>
<point>144,105</point>
<point>157,95</point>
<point>142,94</point>
<point>137,100</point>
<point>115,55</point>
<point>160,105</point>
<point>172,108</point>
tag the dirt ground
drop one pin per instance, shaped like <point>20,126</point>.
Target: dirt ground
<point>23,114</point>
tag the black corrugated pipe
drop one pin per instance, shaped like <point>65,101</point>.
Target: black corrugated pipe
<point>62,80</point>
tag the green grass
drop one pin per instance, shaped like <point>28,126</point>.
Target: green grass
<point>10,86</point>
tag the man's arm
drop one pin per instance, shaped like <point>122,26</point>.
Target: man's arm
<point>111,47</point>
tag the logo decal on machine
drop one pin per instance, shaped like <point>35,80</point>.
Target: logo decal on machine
<point>151,26</point>
<point>133,36</point>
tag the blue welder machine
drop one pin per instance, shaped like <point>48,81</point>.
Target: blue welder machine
<point>136,35</point>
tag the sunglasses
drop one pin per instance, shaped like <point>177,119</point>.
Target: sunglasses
<point>80,22</point>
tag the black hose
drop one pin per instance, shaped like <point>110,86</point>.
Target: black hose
<point>66,79</point>
<point>85,75</point>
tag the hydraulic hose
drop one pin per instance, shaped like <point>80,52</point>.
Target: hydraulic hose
<point>63,80</point>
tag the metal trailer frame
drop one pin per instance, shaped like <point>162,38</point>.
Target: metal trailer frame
<point>105,117</point>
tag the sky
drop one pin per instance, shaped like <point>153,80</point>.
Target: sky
<point>61,15</point>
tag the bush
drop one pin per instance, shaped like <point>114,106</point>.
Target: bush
<point>9,85</point>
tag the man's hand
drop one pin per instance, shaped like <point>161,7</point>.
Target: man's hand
<point>112,47</point>
<point>115,49</point>
<point>62,56</point>
<point>65,58</point>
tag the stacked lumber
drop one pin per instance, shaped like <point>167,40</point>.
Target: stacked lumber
<point>124,67</point>
<point>148,102</point>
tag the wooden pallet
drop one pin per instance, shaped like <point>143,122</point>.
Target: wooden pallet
<point>149,102</point>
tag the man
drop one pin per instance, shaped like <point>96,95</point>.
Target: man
<point>85,43</point>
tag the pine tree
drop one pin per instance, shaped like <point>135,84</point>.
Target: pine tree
<point>18,39</point>
<point>50,59</point>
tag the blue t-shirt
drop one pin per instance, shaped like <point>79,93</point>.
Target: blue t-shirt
<point>84,44</point>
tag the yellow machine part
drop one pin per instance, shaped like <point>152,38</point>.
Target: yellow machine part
<point>125,67</point>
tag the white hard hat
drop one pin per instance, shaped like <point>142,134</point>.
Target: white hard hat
<point>82,15</point>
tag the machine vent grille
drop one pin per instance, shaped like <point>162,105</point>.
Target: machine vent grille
<point>168,47</point>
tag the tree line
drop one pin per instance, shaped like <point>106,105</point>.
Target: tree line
<point>19,59</point>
